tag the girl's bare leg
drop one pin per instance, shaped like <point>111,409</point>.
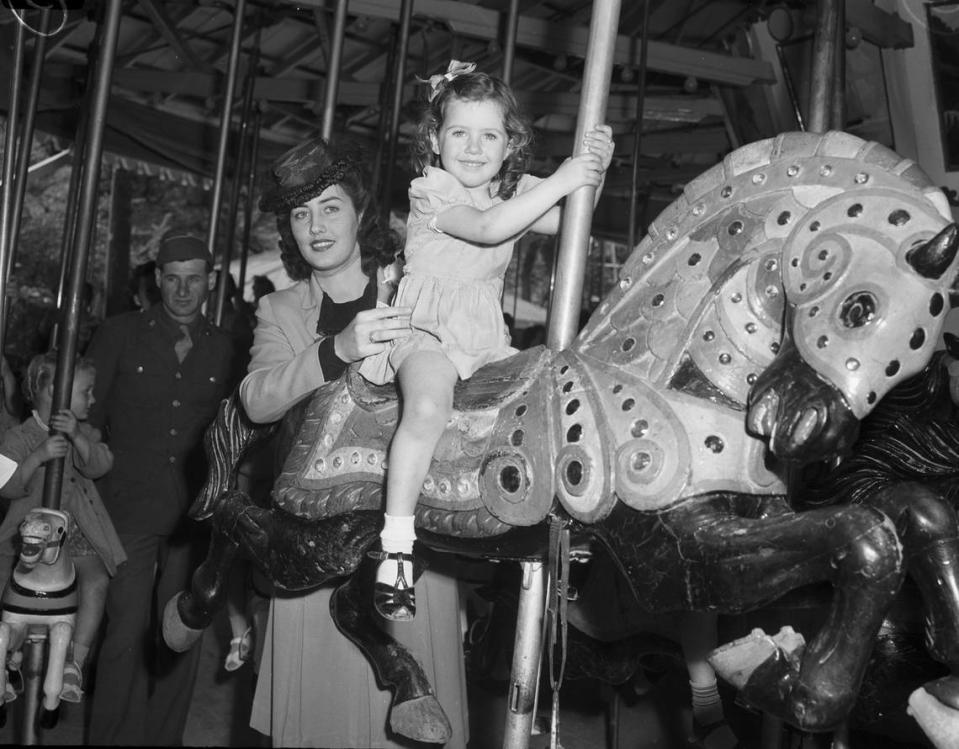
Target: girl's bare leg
<point>426,381</point>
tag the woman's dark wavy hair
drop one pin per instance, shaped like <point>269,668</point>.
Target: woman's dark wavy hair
<point>378,245</point>
<point>477,87</point>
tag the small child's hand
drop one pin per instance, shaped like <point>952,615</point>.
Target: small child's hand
<point>583,170</point>
<point>64,421</point>
<point>53,447</point>
<point>599,140</point>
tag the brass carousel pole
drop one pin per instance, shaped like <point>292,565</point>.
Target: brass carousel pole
<point>243,136</point>
<point>402,45</point>
<point>333,67</point>
<point>248,206</point>
<point>26,134</point>
<point>225,117</point>
<point>9,162</point>
<point>824,64</point>
<point>563,326</point>
<point>70,312</point>
<point>638,129</point>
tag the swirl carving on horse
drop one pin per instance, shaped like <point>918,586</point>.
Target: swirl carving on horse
<point>41,593</point>
<point>767,311</point>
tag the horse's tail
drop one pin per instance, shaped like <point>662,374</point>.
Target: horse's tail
<point>227,440</point>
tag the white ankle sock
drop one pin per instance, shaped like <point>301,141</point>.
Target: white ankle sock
<point>398,535</point>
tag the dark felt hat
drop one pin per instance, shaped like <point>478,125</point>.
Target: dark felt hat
<point>305,171</point>
<point>178,245</point>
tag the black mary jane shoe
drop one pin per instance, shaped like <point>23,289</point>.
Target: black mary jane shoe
<point>396,602</point>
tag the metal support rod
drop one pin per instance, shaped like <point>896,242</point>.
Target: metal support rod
<point>333,66</point>
<point>9,163</point>
<point>638,129</point>
<point>33,650</point>
<point>837,106</point>
<point>249,85</point>
<point>566,299</point>
<point>76,179</point>
<point>822,76</point>
<point>527,648</point>
<point>509,40</point>
<point>402,45</point>
<point>26,132</point>
<point>790,88</point>
<point>248,206</point>
<point>70,312</point>
<point>225,117</point>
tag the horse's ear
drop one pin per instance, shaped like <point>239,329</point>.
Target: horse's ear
<point>933,258</point>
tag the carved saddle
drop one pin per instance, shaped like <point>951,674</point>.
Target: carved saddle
<point>492,467</point>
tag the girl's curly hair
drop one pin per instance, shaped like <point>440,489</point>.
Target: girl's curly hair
<point>477,87</point>
<point>344,166</point>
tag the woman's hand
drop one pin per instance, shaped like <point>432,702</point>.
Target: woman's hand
<point>64,421</point>
<point>370,332</point>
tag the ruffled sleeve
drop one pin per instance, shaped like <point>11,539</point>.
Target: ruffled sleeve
<point>436,190</point>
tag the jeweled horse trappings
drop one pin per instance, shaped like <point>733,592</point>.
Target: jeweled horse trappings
<point>40,595</point>
<point>777,299</point>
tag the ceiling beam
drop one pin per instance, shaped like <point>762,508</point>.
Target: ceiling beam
<point>167,28</point>
<point>353,93</point>
<point>475,21</point>
<point>880,27</point>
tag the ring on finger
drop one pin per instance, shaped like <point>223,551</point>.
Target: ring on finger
<point>371,338</point>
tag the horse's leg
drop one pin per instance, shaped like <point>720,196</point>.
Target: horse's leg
<point>707,557</point>
<point>415,712</point>
<point>929,530</point>
<point>59,636</point>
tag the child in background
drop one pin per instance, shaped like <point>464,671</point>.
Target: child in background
<point>92,541</point>
<point>471,204</point>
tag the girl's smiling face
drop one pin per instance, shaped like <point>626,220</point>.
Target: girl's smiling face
<point>472,142</point>
<point>325,229</point>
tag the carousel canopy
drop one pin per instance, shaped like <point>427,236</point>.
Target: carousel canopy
<point>713,80</point>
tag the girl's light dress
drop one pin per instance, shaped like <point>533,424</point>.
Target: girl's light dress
<point>454,287</point>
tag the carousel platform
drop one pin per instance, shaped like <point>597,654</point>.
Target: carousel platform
<point>588,719</point>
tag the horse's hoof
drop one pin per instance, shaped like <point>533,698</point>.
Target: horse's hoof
<point>421,719</point>
<point>177,635</point>
<point>737,660</point>
<point>48,719</point>
<point>946,690</point>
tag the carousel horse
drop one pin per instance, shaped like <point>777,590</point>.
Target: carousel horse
<point>767,311</point>
<point>40,595</point>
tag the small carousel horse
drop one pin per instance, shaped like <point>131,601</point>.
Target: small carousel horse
<point>767,312</point>
<point>40,599</point>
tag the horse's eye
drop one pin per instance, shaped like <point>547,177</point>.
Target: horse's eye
<point>858,309</point>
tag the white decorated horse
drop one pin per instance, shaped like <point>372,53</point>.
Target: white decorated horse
<point>40,601</point>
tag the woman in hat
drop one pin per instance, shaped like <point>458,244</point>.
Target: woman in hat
<point>315,687</point>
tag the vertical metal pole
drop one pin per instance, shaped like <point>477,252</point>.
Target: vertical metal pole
<point>70,313</point>
<point>26,134</point>
<point>822,76</point>
<point>9,156</point>
<point>403,43</point>
<point>790,88</point>
<point>527,648</point>
<point>574,240</point>
<point>509,42</point>
<point>33,648</point>
<point>225,117</point>
<point>638,130</point>
<point>248,207</point>
<point>333,66</point>
<point>837,106</point>
<point>250,84</point>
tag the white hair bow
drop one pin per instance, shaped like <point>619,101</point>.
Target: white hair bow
<point>456,68</point>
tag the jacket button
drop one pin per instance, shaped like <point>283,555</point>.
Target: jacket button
<point>173,432</point>
<point>176,404</point>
